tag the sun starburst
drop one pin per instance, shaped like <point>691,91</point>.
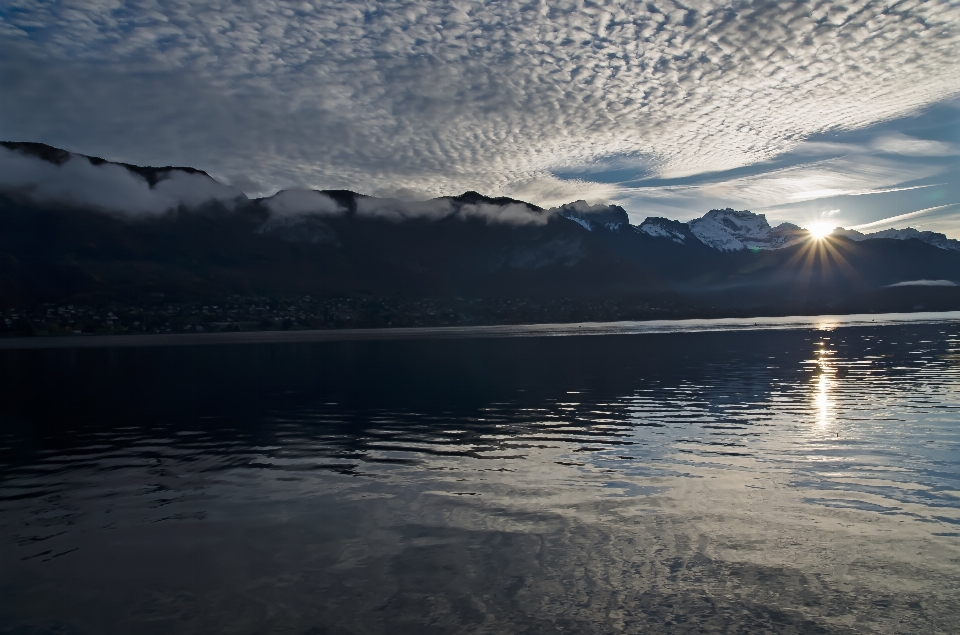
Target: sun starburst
<point>819,230</point>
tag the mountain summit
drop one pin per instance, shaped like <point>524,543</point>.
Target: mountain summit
<point>51,175</point>
<point>77,228</point>
<point>728,229</point>
<point>931,238</point>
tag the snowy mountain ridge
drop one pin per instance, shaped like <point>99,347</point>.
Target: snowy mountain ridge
<point>46,174</point>
<point>591,217</point>
<point>931,238</point>
<point>665,228</point>
<point>733,230</point>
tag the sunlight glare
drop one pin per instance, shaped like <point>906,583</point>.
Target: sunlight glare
<point>823,403</point>
<point>819,230</point>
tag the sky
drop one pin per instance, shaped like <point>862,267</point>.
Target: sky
<point>808,112</point>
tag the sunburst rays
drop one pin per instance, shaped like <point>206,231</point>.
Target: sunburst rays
<point>823,254</point>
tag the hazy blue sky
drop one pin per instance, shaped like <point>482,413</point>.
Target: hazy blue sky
<point>800,110</point>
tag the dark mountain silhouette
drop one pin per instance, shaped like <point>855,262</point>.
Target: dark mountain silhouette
<point>153,175</point>
<point>474,246</point>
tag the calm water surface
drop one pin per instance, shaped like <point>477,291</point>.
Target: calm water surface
<point>801,479</point>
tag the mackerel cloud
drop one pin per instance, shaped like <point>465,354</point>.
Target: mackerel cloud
<point>429,98</point>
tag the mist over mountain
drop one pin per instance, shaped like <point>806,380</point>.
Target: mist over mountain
<point>83,229</point>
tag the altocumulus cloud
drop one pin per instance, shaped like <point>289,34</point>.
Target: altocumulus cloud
<point>440,97</point>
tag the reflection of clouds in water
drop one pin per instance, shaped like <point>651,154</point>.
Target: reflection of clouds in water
<point>689,483</point>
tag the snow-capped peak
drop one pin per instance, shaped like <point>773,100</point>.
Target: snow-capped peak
<point>731,230</point>
<point>931,238</point>
<point>665,228</point>
<point>591,217</point>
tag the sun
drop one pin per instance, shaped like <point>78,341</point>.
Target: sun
<point>819,230</point>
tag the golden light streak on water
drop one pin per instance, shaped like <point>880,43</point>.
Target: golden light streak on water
<point>826,380</point>
<point>822,401</point>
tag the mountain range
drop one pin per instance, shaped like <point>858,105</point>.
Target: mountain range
<point>75,228</point>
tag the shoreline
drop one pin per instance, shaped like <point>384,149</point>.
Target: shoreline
<point>650,327</point>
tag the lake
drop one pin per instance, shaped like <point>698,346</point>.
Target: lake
<point>773,475</point>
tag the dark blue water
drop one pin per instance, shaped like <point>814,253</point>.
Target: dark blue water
<point>796,480</point>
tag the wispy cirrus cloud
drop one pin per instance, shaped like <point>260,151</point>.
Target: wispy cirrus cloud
<point>898,143</point>
<point>857,175</point>
<point>895,221</point>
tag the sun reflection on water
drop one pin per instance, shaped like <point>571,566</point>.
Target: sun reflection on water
<point>823,399</point>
